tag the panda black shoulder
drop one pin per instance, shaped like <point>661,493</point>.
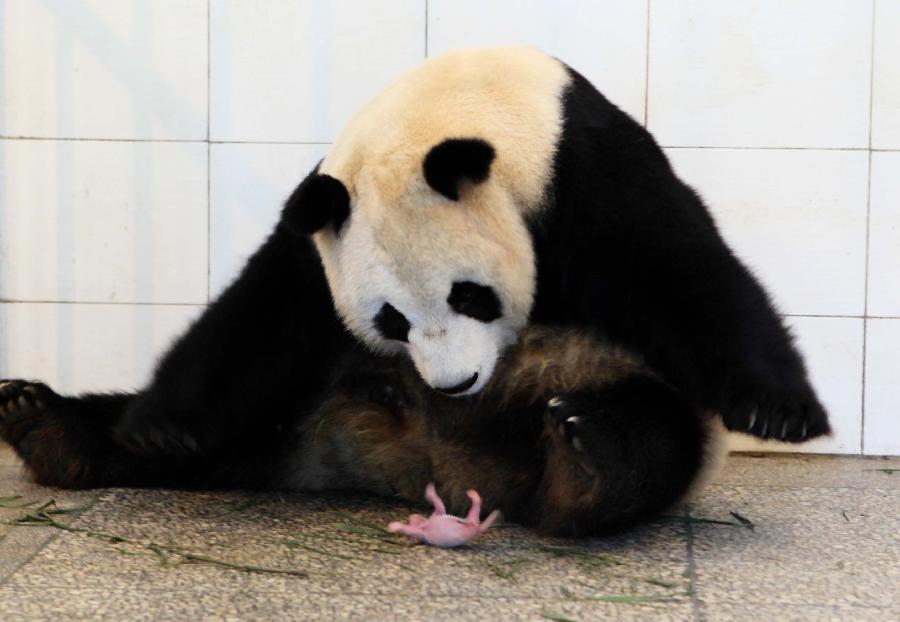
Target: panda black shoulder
<point>600,153</point>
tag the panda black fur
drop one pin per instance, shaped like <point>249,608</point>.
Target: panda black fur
<point>491,202</point>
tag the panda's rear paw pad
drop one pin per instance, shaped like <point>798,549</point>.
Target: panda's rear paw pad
<point>19,398</point>
<point>22,404</point>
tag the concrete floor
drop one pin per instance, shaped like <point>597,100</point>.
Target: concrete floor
<point>825,545</point>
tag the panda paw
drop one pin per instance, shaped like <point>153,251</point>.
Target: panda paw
<point>23,408</point>
<point>777,416</point>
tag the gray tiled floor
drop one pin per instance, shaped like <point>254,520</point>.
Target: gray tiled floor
<point>825,545</point>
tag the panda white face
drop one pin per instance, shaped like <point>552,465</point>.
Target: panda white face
<point>434,278</point>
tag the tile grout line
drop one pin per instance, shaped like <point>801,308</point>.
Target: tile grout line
<point>54,535</point>
<point>103,303</point>
<point>803,487</point>
<point>104,140</point>
<point>647,70</point>
<point>696,604</point>
<point>162,140</point>
<point>266,142</point>
<point>203,304</point>
<point>208,151</point>
<point>208,221</point>
<point>862,400</point>
<point>426,28</point>
<point>865,334</point>
<point>825,315</point>
<point>832,608</point>
<point>305,142</point>
<point>765,148</point>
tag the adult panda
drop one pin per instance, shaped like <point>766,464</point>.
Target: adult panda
<point>537,307</point>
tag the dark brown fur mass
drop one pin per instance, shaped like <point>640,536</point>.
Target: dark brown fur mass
<point>383,430</point>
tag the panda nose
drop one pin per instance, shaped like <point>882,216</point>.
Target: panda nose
<point>462,386</point>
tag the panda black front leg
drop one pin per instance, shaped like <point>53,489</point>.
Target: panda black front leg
<point>58,446</point>
<point>771,414</point>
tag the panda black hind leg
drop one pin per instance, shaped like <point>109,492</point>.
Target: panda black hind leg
<point>619,444</point>
<point>67,441</point>
<point>618,454</point>
<point>70,442</point>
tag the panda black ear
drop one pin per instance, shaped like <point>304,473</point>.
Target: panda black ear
<point>455,160</point>
<point>318,201</point>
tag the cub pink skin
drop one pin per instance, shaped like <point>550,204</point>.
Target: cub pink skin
<point>442,529</point>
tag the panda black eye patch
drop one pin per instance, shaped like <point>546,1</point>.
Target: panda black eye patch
<point>476,301</point>
<point>391,323</point>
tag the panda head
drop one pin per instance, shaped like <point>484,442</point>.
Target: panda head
<point>419,210</point>
<point>436,261</point>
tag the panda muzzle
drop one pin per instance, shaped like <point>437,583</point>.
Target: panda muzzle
<point>463,386</point>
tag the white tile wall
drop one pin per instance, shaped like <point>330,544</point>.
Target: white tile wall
<point>103,69</point>
<point>882,429</point>
<point>144,181</point>
<point>248,185</point>
<point>797,217</point>
<point>289,71</point>
<point>93,221</point>
<point>886,83</point>
<point>605,40</point>
<point>87,347</point>
<point>767,73</point>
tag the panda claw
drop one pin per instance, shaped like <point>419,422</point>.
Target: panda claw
<point>554,402</point>
<point>567,427</point>
<point>753,417</point>
<point>576,443</point>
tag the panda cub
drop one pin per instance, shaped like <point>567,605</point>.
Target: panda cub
<point>493,280</point>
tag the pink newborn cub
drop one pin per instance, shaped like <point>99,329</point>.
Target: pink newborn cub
<point>442,529</point>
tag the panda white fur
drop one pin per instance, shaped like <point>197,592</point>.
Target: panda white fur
<point>493,280</point>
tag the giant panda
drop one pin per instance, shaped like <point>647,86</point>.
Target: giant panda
<point>494,280</point>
